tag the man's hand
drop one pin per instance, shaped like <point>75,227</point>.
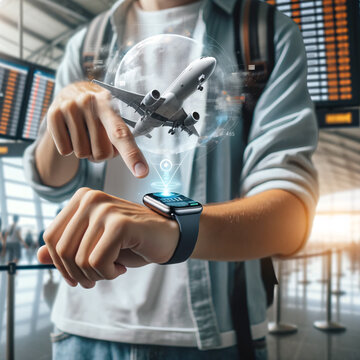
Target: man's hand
<point>96,236</point>
<point>81,121</point>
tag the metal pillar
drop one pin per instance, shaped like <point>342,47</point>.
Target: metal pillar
<point>305,280</point>
<point>10,318</point>
<point>277,327</point>
<point>323,270</point>
<point>21,28</point>
<point>339,275</point>
<point>328,324</point>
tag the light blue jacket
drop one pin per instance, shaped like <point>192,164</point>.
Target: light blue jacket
<point>282,140</point>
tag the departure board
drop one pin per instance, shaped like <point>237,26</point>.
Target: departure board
<point>41,93</point>
<point>330,31</point>
<point>12,92</point>
<point>26,91</point>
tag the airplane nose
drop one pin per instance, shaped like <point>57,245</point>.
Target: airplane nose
<point>211,64</point>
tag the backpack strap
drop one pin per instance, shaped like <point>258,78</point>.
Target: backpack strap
<point>255,53</point>
<point>95,47</point>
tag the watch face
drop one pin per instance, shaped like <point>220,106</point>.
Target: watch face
<point>172,203</point>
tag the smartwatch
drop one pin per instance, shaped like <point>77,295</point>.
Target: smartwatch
<point>187,214</point>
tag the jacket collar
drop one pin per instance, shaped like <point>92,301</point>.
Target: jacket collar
<point>226,5</point>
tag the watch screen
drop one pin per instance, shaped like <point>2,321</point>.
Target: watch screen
<point>174,200</point>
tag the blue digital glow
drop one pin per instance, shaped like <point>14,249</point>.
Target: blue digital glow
<point>165,193</point>
<point>166,165</point>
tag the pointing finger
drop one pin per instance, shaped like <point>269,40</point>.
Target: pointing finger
<point>124,142</point>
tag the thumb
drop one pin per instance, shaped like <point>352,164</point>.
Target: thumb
<point>124,142</point>
<point>44,255</point>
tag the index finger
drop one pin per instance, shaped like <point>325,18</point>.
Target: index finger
<point>124,141</point>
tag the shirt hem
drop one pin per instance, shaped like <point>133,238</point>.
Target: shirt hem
<point>146,336</point>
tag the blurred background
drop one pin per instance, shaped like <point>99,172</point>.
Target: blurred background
<point>316,313</point>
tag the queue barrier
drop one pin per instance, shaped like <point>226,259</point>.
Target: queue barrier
<point>11,269</point>
<point>278,327</point>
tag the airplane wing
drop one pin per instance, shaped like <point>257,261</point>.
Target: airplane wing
<point>178,120</point>
<point>130,98</point>
<point>191,130</point>
<point>132,124</point>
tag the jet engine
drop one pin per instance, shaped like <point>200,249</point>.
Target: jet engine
<point>192,119</point>
<point>151,98</point>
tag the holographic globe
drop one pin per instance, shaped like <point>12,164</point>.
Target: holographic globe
<point>180,103</point>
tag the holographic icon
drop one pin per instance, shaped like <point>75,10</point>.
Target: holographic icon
<point>166,165</point>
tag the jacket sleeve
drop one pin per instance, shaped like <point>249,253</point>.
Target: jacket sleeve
<point>68,72</point>
<point>284,130</point>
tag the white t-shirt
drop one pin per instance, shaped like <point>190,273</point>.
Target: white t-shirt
<point>147,305</point>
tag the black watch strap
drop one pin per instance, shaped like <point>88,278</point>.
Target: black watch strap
<point>189,230</point>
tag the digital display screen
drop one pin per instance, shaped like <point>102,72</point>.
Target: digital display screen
<point>175,200</point>
<point>40,97</point>
<point>329,30</point>
<point>344,117</point>
<point>26,92</point>
<point>12,92</point>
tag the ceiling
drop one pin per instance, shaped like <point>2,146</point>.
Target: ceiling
<point>48,24</point>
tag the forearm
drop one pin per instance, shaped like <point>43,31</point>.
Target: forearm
<point>54,169</point>
<point>271,223</point>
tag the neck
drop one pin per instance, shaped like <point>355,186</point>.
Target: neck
<point>154,5</point>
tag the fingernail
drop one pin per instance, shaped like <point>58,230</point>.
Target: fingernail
<point>71,283</point>
<point>140,169</point>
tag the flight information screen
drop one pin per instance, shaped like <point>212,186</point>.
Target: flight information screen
<point>26,91</point>
<point>42,88</point>
<point>12,93</point>
<point>329,29</point>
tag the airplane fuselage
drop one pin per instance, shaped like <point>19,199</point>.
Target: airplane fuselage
<point>190,80</point>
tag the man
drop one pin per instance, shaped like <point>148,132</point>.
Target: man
<point>180,311</point>
<point>13,241</point>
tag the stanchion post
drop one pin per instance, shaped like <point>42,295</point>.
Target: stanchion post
<point>277,327</point>
<point>305,280</point>
<point>338,291</point>
<point>323,270</point>
<point>10,318</point>
<point>328,324</point>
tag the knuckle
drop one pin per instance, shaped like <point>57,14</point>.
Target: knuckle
<point>92,196</point>
<point>47,236</point>
<point>95,261</point>
<point>81,261</point>
<point>62,251</point>
<point>132,153</point>
<point>101,155</point>
<point>82,154</point>
<point>82,191</point>
<point>85,100</point>
<point>69,107</point>
<point>64,150</point>
<point>53,113</point>
<point>121,132</point>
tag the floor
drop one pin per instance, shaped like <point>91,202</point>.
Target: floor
<point>301,305</point>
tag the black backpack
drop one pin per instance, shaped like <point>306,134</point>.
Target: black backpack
<point>255,55</point>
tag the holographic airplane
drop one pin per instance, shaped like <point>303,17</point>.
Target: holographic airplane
<point>167,110</point>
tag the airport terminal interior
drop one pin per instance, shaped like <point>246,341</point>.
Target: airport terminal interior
<point>316,310</point>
